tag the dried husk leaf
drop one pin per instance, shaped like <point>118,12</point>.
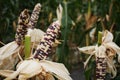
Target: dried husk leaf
<point>49,77</point>
<point>6,73</point>
<point>26,69</point>
<point>43,76</point>
<point>56,68</point>
<point>107,37</point>
<point>111,67</point>
<point>100,51</point>
<point>87,50</point>
<point>9,55</point>
<point>59,13</point>
<point>36,35</point>
<point>31,68</point>
<point>92,34</point>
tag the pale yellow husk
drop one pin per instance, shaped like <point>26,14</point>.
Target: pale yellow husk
<point>36,35</point>
<point>30,68</point>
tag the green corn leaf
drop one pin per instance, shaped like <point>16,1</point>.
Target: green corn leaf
<point>89,9</point>
<point>63,49</point>
<point>66,22</point>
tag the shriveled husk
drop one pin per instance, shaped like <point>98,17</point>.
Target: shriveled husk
<point>42,69</point>
<point>9,55</point>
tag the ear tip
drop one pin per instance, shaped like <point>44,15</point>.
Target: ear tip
<point>38,4</point>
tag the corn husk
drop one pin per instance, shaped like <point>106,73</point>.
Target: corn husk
<point>9,52</point>
<point>36,35</point>
<point>6,73</point>
<point>59,12</point>
<point>30,68</point>
<point>9,55</point>
<point>107,49</point>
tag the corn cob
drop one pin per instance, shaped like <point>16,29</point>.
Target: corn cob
<point>34,16</point>
<point>101,63</point>
<point>44,48</point>
<point>47,41</point>
<point>22,26</point>
<point>101,66</point>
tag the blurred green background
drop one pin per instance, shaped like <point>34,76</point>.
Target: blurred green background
<point>82,19</point>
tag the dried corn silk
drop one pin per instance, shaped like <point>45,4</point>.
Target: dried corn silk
<point>101,67</point>
<point>22,26</point>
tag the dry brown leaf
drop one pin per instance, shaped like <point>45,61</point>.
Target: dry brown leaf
<point>90,21</point>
